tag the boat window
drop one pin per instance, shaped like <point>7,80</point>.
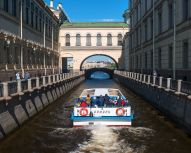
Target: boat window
<point>86,92</point>
<point>113,92</point>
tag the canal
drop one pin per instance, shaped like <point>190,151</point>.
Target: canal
<point>51,131</point>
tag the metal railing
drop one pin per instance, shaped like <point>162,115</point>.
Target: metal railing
<point>16,87</point>
<point>186,87</point>
<point>178,86</point>
<point>24,85</point>
<point>12,87</point>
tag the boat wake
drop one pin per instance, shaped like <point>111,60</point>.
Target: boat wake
<point>108,140</point>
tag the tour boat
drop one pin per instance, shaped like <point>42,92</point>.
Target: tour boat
<point>107,115</point>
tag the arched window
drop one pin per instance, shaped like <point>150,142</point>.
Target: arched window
<point>109,40</point>
<point>88,40</point>
<point>67,40</point>
<point>119,39</point>
<point>99,43</point>
<point>78,40</point>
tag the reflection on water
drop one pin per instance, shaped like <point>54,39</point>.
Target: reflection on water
<point>100,75</point>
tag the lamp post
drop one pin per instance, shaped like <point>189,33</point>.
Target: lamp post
<point>153,36</point>
<point>21,34</point>
<point>174,41</point>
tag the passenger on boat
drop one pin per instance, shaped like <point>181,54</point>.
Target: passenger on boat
<point>88,99</point>
<point>83,104</point>
<point>119,102</point>
<point>93,101</point>
<point>101,101</point>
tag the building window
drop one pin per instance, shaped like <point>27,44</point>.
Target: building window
<point>170,15</point>
<point>32,15</point>
<point>88,40</point>
<point>119,39</point>
<point>67,40</point>
<point>78,40</point>
<point>145,60</point>
<point>109,40</point>
<point>36,18</point>
<point>185,54</point>
<point>99,42</point>
<point>6,5</point>
<point>27,15</point>
<point>14,8</point>
<point>159,21</point>
<point>170,57</point>
<point>151,27</point>
<point>185,9</point>
<point>40,21</point>
<point>145,30</point>
<point>151,59</point>
<point>159,58</point>
<point>145,5</point>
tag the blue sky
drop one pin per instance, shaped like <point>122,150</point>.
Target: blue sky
<point>93,10</point>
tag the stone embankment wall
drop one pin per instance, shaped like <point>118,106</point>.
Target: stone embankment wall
<point>20,100</point>
<point>171,97</point>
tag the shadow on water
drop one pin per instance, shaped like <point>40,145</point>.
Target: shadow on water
<point>51,131</point>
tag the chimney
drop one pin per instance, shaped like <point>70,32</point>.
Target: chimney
<point>59,7</point>
<point>51,3</point>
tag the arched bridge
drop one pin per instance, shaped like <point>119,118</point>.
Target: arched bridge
<point>89,72</point>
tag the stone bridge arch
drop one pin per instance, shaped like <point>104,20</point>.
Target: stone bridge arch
<point>116,63</point>
<point>80,55</point>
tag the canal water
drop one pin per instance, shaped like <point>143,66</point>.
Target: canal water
<point>51,131</point>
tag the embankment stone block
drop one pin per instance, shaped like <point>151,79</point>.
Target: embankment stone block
<point>61,91</point>
<point>44,99</point>
<point>20,114</point>
<point>38,103</point>
<point>58,92</point>
<point>49,96</point>
<point>1,135</point>
<point>7,122</point>
<point>54,94</point>
<point>30,108</point>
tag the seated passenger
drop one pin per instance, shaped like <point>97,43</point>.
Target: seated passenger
<point>107,100</point>
<point>123,102</point>
<point>119,102</point>
<point>83,104</point>
<point>101,101</point>
<point>93,101</point>
<point>88,99</point>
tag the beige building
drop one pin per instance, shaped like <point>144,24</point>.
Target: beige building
<point>82,40</point>
<point>29,33</point>
<point>153,37</point>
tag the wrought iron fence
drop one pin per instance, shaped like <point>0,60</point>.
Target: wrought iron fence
<point>164,82</point>
<point>1,90</point>
<point>46,80</point>
<point>186,87</point>
<point>173,84</point>
<point>33,82</point>
<point>157,81</point>
<point>24,85</point>
<point>12,88</point>
<point>40,81</point>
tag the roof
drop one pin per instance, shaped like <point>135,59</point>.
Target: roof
<point>94,25</point>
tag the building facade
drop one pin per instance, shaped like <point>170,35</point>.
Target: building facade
<point>29,33</point>
<point>82,40</point>
<point>159,38</point>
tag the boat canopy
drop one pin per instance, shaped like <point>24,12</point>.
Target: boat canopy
<point>101,91</point>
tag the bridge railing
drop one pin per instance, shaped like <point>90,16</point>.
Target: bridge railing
<point>11,88</point>
<point>178,86</point>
